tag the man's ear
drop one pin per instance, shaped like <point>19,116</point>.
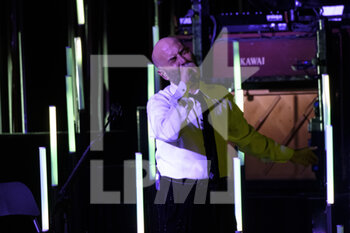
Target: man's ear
<point>163,74</point>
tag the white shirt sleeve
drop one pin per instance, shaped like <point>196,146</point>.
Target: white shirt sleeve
<point>167,113</point>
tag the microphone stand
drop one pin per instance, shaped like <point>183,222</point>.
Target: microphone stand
<point>115,111</point>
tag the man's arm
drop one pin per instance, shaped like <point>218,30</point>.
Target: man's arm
<point>252,142</point>
<point>167,115</point>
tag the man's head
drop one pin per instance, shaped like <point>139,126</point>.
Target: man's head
<point>175,62</point>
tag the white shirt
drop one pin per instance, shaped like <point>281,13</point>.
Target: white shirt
<point>177,156</point>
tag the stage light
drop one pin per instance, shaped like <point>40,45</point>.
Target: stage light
<point>329,162</point>
<point>236,65</point>
<point>238,193</point>
<point>185,20</point>
<point>70,114</point>
<point>53,146</point>
<point>79,71</point>
<point>274,18</point>
<point>43,190</point>
<point>139,193</point>
<point>237,162</point>
<point>326,107</point>
<point>80,12</point>
<point>22,85</point>
<point>282,26</point>
<point>336,10</point>
<point>239,93</point>
<point>297,4</point>
<point>326,100</point>
<point>335,19</point>
<point>151,142</point>
<point>10,92</point>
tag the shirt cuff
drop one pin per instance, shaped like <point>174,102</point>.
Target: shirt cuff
<point>179,93</point>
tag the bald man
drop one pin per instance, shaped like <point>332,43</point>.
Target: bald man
<point>178,117</point>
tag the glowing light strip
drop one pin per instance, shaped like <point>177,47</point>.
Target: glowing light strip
<point>106,75</point>
<point>150,80</point>
<point>70,72</point>
<point>239,98</point>
<point>326,100</point>
<point>326,106</point>
<point>80,12</point>
<point>43,190</point>
<point>151,142</point>
<point>0,113</point>
<point>237,66</point>
<point>320,101</point>
<point>239,93</point>
<point>139,193</point>
<point>238,193</point>
<point>79,71</point>
<point>69,61</point>
<point>70,114</point>
<point>23,112</point>
<point>53,146</point>
<point>237,76</point>
<point>9,88</point>
<point>237,162</point>
<point>155,33</point>
<point>329,161</point>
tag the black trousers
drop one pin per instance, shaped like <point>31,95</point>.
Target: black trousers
<point>184,206</point>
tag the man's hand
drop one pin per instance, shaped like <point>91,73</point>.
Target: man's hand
<point>190,76</point>
<point>304,156</point>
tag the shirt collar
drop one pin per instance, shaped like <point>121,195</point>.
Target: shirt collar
<point>173,88</point>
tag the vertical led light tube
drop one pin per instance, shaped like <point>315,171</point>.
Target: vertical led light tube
<point>79,71</point>
<point>80,12</point>
<point>9,88</point>
<point>151,142</point>
<point>326,100</point>
<point>0,112</point>
<point>43,190</point>
<point>70,66</point>
<point>237,76</point>
<point>53,146</point>
<point>329,166</point>
<point>139,193</point>
<point>239,95</point>
<point>237,162</point>
<point>155,32</point>
<point>70,114</point>
<point>320,101</point>
<point>237,80</point>
<point>22,86</point>
<point>238,193</point>
<point>326,106</point>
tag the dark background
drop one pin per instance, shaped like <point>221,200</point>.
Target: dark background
<point>47,27</point>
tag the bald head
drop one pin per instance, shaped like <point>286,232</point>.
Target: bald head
<point>162,48</point>
<point>175,61</point>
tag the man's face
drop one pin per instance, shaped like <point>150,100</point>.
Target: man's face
<point>176,62</point>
